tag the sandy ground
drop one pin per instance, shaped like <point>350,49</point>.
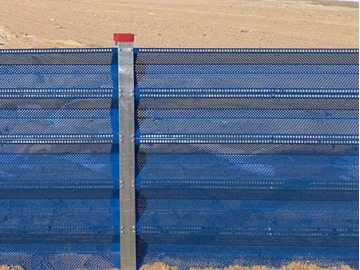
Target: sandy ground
<point>185,23</point>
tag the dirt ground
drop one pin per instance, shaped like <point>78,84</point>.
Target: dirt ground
<point>185,23</point>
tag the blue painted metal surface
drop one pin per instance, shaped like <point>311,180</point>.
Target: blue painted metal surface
<point>247,156</point>
<point>59,203</point>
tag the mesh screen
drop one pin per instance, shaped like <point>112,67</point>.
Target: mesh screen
<point>59,203</point>
<point>247,156</point>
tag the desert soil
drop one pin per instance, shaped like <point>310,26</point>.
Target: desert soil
<point>185,23</point>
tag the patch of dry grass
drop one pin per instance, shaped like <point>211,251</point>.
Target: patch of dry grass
<point>158,266</point>
<point>291,266</point>
<point>162,266</point>
<point>11,267</point>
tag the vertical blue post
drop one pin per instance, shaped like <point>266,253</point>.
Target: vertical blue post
<point>125,42</point>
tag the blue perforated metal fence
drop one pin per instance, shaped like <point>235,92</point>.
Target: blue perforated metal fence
<point>247,157</point>
<point>59,203</point>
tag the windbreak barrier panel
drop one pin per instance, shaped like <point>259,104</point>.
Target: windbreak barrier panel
<point>59,158</point>
<point>247,157</point>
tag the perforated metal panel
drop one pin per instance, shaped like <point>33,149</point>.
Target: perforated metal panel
<point>59,160</point>
<point>247,156</point>
<point>242,157</point>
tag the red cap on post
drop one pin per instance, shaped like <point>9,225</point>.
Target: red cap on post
<point>124,37</point>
